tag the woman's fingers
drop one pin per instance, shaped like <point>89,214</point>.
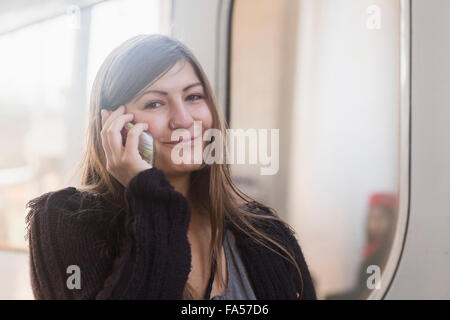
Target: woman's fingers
<point>114,135</point>
<point>112,124</point>
<point>123,163</point>
<point>113,116</point>
<point>105,114</point>
<point>132,143</point>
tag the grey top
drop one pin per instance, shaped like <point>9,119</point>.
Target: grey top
<point>239,287</point>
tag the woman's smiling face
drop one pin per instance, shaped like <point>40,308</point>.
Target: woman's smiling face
<point>173,102</point>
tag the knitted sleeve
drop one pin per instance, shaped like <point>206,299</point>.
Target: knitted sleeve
<point>152,261</point>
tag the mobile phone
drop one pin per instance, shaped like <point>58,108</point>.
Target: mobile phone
<point>146,143</point>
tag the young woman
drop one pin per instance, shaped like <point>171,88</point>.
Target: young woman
<point>167,231</point>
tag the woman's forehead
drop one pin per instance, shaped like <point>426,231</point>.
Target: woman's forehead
<point>182,74</point>
<point>179,78</point>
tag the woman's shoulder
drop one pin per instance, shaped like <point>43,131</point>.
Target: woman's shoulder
<point>68,200</point>
<point>266,216</point>
<point>67,206</point>
<point>268,220</point>
<point>283,232</point>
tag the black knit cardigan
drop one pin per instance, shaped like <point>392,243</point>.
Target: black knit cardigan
<point>142,252</point>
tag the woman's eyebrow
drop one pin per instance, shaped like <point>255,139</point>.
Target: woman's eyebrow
<point>165,93</point>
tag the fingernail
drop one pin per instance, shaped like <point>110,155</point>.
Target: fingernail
<point>102,112</point>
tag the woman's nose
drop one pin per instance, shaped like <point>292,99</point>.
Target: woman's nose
<point>180,117</point>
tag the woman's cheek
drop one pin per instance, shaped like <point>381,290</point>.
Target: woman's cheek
<point>207,118</point>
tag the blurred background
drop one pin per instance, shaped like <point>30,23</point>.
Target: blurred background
<point>50,53</point>
<point>331,75</point>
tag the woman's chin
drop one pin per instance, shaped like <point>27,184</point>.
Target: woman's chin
<point>177,169</point>
<point>178,165</point>
<point>186,167</point>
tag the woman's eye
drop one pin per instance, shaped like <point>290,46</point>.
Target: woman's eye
<point>152,105</point>
<point>195,97</point>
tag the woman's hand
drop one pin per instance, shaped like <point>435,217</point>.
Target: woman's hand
<point>123,162</point>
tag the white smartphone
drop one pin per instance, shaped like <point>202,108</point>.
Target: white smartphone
<point>146,144</point>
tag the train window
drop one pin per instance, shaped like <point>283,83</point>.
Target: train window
<point>47,70</point>
<point>330,76</point>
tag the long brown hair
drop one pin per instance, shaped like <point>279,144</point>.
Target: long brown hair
<point>127,70</point>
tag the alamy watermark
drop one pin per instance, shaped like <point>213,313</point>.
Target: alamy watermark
<point>373,21</point>
<point>73,16</point>
<point>239,143</point>
<point>74,280</point>
<point>374,280</point>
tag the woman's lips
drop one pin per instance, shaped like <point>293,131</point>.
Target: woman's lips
<point>181,141</point>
